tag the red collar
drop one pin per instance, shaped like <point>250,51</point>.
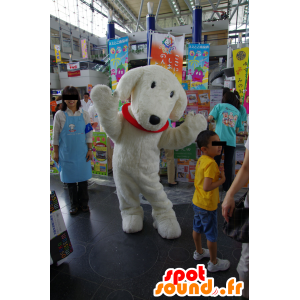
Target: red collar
<point>134,122</point>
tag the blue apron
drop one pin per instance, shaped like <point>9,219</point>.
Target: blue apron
<point>73,150</point>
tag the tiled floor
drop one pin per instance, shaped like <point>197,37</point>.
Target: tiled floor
<point>109,264</point>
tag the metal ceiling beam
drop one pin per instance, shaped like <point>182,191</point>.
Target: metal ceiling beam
<point>137,25</point>
<point>158,7</point>
<point>188,5</point>
<point>235,9</point>
<point>121,3</point>
<point>212,5</point>
<point>214,9</point>
<point>174,11</point>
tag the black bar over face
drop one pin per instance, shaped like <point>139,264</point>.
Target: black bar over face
<point>215,143</point>
<point>69,97</point>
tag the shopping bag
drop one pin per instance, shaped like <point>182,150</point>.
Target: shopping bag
<point>60,244</point>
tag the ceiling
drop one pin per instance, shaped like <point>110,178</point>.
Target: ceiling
<point>165,8</point>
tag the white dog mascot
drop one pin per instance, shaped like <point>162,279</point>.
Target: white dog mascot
<point>139,132</point>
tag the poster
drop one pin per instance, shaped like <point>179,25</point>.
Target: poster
<point>198,66</point>
<point>167,51</point>
<point>188,152</point>
<point>60,244</point>
<point>52,166</point>
<point>192,97</point>
<point>240,63</point>
<point>57,53</point>
<point>215,98</point>
<point>99,161</point>
<point>118,55</point>
<point>186,84</point>
<point>204,99</point>
<point>84,49</point>
<point>182,173</point>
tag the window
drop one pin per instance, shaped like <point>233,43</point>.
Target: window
<point>76,44</point>
<point>54,37</point>
<point>66,41</point>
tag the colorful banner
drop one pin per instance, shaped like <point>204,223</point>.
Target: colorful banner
<point>118,55</point>
<point>73,66</point>
<point>183,73</point>
<point>167,51</point>
<point>57,53</point>
<point>99,161</point>
<point>74,73</point>
<point>198,66</point>
<point>84,49</point>
<point>52,165</point>
<point>186,84</point>
<point>246,101</point>
<point>240,63</point>
<point>89,89</point>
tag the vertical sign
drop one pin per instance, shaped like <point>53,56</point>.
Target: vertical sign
<point>198,66</point>
<point>57,53</point>
<point>118,54</point>
<point>240,63</point>
<point>84,49</point>
<point>99,161</point>
<point>89,89</point>
<point>167,51</point>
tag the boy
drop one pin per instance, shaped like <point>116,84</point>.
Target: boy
<point>206,199</point>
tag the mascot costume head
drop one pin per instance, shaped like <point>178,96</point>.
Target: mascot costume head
<point>139,132</point>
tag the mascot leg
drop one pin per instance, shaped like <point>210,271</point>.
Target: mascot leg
<point>164,217</point>
<point>131,211</point>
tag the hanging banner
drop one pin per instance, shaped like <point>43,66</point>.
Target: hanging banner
<point>240,63</point>
<point>198,66</point>
<point>73,66</point>
<point>89,89</point>
<point>84,49</point>
<point>246,101</point>
<point>167,51</point>
<point>74,73</point>
<point>118,55</point>
<point>99,161</point>
<point>57,53</point>
<point>186,84</point>
<point>183,73</point>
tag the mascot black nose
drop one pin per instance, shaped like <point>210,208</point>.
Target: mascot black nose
<point>154,120</point>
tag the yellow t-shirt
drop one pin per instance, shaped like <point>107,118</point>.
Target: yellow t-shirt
<point>206,167</point>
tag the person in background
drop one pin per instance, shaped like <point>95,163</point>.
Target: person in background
<point>228,206</point>
<point>52,106</point>
<point>243,112</point>
<point>228,121</point>
<point>72,141</point>
<point>86,102</point>
<point>58,104</point>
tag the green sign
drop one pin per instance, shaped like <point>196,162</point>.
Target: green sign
<point>99,161</point>
<point>188,152</point>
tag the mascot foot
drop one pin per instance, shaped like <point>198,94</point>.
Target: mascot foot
<point>167,227</point>
<point>132,223</point>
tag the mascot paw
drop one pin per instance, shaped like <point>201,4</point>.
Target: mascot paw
<point>168,228</point>
<point>101,93</point>
<point>197,121</point>
<point>132,223</point>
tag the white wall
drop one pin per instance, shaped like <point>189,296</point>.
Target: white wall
<point>54,81</point>
<point>86,77</point>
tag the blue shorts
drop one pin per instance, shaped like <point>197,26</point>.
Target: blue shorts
<point>206,222</point>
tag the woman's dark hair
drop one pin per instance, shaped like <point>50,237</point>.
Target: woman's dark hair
<point>225,90</point>
<point>230,98</point>
<point>70,91</point>
<point>237,96</point>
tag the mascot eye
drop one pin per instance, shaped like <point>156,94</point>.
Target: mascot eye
<point>171,94</point>
<point>153,85</point>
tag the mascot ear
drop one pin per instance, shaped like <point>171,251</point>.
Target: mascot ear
<point>180,106</point>
<point>128,82</point>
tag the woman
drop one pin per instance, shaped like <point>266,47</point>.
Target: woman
<point>228,205</point>
<point>228,119</point>
<point>58,104</point>
<point>72,141</point>
<point>242,111</point>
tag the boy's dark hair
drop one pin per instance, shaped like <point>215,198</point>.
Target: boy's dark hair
<point>225,90</point>
<point>203,138</point>
<point>231,98</point>
<point>72,91</point>
<point>53,98</point>
<point>86,94</point>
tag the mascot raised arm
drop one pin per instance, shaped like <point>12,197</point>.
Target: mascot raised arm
<point>139,132</point>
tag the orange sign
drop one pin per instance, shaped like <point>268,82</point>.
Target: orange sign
<point>74,73</point>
